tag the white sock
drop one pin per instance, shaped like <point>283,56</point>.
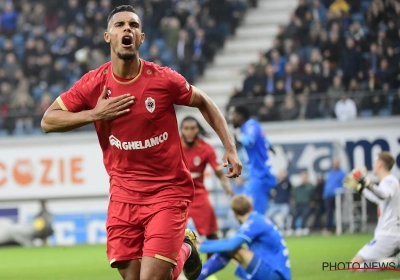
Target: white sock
<point>190,248</point>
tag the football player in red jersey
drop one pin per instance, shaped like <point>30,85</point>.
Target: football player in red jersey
<point>198,154</point>
<point>131,103</point>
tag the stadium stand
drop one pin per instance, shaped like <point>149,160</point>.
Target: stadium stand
<point>334,58</point>
<point>45,46</point>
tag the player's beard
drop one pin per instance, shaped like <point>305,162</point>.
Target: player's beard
<point>190,144</point>
<point>126,56</point>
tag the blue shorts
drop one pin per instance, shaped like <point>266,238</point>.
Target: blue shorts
<point>258,190</point>
<point>258,270</point>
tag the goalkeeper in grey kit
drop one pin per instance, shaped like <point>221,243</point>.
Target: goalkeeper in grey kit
<point>386,242</point>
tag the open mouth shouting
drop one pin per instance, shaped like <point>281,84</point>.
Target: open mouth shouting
<point>127,41</point>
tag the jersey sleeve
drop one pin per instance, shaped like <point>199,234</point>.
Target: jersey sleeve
<point>76,99</point>
<point>221,245</point>
<point>181,91</point>
<point>249,230</point>
<point>212,159</point>
<point>249,135</point>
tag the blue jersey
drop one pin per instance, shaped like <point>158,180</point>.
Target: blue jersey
<point>256,145</point>
<point>262,237</point>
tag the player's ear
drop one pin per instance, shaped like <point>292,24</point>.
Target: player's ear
<point>142,37</point>
<point>107,37</point>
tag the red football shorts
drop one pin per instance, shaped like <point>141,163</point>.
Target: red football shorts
<point>202,213</point>
<point>155,230</point>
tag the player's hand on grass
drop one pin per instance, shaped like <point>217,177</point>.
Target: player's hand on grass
<point>231,157</point>
<point>110,108</point>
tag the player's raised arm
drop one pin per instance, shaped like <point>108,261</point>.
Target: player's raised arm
<point>217,121</point>
<point>58,118</point>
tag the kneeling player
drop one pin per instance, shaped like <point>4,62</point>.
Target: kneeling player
<point>266,257</point>
<point>198,154</point>
<point>386,195</point>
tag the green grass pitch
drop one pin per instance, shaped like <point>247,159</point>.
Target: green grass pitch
<point>90,262</point>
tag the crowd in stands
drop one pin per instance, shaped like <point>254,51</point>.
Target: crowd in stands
<point>335,58</point>
<point>47,45</point>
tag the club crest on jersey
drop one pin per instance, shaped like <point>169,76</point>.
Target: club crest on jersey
<point>196,160</point>
<point>150,104</point>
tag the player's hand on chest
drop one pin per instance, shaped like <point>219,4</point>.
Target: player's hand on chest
<point>151,103</point>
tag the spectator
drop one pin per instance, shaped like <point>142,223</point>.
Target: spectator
<point>317,202</point>
<point>374,58</point>
<point>325,108</point>
<point>333,183</point>
<point>302,196</point>
<point>385,75</point>
<point>345,109</point>
<point>335,91</point>
<point>332,50</point>
<point>339,6</point>
<point>392,33</point>
<point>316,61</point>
<point>298,87</point>
<point>279,209</point>
<point>270,79</point>
<point>170,28</point>
<point>11,66</point>
<point>184,53</point>
<point>21,115</point>
<point>318,12</point>
<point>356,32</point>
<point>8,19</point>
<point>375,15</point>
<point>301,9</point>
<point>309,75</point>
<point>279,63</point>
<point>280,90</point>
<point>289,110</point>
<point>372,100</point>
<point>198,48</point>
<point>326,77</point>
<point>289,76</point>
<point>307,107</point>
<point>5,101</point>
<point>351,61</point>
<point>268,111</point>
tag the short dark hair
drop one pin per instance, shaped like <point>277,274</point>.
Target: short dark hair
<point>122,8</point>
<point>202,131</point>
<point>243,111</point>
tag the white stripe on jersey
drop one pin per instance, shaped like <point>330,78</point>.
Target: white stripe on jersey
<point>389,209</point>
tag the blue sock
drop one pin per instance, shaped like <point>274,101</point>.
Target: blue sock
<point>215,263</point>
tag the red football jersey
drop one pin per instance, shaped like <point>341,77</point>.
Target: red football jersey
<point>142,151</point>
<point>198,157</point>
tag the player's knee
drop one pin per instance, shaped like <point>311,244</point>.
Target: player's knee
<point>127,270</point>
<point>242,255</point>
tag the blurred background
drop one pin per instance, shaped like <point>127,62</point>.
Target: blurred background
<point>323,77</point>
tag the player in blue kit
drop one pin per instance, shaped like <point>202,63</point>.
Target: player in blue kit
<point>266,257</point>
<point>256,145</point>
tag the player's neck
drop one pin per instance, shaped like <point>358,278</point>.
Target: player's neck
<point>383,174</point>
<point>126,69</point>
<point>244,218</point>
